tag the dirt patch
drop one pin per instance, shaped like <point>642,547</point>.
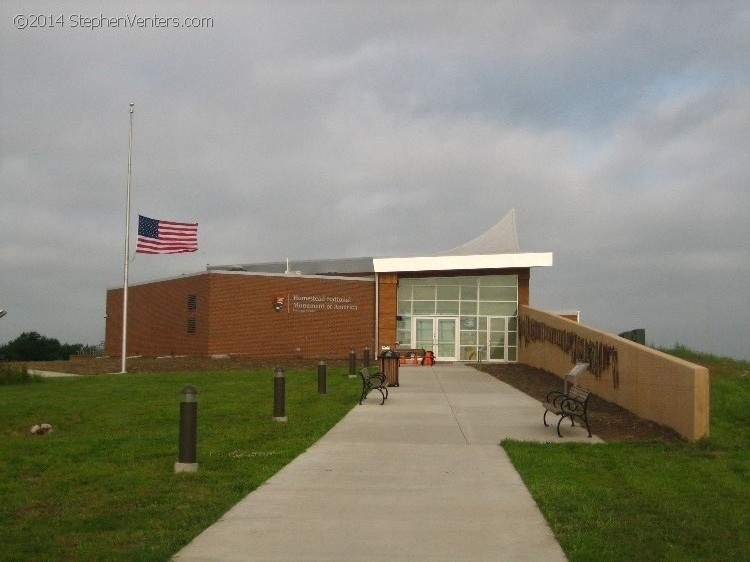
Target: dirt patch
<point>608,421</point>
<point>105,365</point>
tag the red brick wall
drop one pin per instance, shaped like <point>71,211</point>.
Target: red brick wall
<point>158,317</point>
<point>321,317</point>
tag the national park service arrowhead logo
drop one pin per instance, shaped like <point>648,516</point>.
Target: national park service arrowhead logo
<point>278,302</point>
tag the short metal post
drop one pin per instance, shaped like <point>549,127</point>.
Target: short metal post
<point>187,459</point>
<point>279,394</point>
<point>352,363</point>
<point>322,376</point>
<point>366,357</point>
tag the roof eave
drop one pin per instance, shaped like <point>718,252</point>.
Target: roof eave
<point>446,263</point>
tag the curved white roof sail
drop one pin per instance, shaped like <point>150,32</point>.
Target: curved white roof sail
<point>495,249</point>
<point>500,239</point>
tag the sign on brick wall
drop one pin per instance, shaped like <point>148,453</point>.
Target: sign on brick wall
<point>317,303</point>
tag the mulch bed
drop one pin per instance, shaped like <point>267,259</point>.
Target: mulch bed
<point>608,421</point>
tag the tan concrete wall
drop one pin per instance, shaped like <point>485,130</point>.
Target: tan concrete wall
<point>652,384</point>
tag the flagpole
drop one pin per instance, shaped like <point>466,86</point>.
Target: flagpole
<point>127,248</point>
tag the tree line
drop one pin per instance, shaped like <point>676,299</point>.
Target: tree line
<point>32,346</point>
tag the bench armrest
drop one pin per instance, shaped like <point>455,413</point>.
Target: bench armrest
<point>572,406</point>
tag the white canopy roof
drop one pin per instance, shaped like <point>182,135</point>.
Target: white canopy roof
<point>495,249</point>
<point>500,239</point>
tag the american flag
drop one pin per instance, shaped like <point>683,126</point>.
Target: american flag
<point>166,237</point>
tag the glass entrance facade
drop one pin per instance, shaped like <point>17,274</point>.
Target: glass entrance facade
<point>485,307</point>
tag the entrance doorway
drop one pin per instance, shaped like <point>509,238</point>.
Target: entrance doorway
<point>497,337</point>
<point>437,334</point>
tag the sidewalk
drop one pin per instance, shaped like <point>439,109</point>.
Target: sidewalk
<point>419,478</point>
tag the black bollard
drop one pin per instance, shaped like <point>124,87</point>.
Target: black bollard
<point>352,363</point>
<point>279,394</point>
<point>366,357</point>
<point>322,376</point>
<point>187,458</point>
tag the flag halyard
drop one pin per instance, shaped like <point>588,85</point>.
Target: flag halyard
<point>166,237</point>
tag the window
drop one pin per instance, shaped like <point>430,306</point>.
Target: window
<point>192,302</point>
<point>473,300</point>
<point>191,325</point>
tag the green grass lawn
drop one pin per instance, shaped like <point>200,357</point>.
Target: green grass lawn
<point>653,500</point>
<point>102,485</point>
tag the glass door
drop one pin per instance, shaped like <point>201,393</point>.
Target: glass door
<point>497,338</point>
<point>424,331</point>
<point>446,339</point>
<point>437,334</point>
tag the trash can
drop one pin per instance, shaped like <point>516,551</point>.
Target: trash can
<point>389,361</point>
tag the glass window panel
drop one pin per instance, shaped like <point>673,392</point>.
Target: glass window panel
<point>483,323</point>
<point>497,352</point>
<point>497,324</point>
<point>497,338</point>
<point>511,354</point>
<point>406,284</point>
<point>513,324</point>
<point>423,293</point>
<point>423,333</point>
<point>404,338</point>
<point>446,349</point>
<point>497,308</point>
<point>446,330</point>
<point>482,337</point>
<point>404,307</point>
<point>447,307</point>
<point>468,307</point>
<point>497,294</point>
<point>448,293</point>
<point>468,293</point>
<point>468,353</point>
<point>511,338</point>
<point>499,281</point>
<point>468,322</point>
<point>468,338</point>
<point>424,307</point>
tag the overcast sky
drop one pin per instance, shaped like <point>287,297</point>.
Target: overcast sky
<point>619,131</point>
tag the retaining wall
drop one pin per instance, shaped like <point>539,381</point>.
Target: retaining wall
<point>651,384</point>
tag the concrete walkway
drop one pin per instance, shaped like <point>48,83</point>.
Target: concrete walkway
<point>50,374</point>
<point>419,478</point>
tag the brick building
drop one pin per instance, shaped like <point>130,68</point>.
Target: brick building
<point>462,304</point>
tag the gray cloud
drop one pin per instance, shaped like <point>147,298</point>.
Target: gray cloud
<point>617,131</point>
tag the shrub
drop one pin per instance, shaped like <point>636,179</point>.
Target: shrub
<point>17,375</point>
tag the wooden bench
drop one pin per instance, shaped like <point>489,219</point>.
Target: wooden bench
<point>370,382</point>
<point>572,405</point>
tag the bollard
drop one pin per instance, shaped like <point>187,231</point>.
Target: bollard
<point>186,461</point>
<point>279,394</point>
<point>322,376</point>
<point>366,357</point>
<point>352,363</point>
